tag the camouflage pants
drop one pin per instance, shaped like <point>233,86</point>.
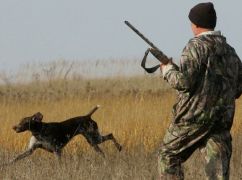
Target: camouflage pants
<point>177,148</point>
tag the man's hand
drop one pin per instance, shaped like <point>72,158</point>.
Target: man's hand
<point>160,56</point>
<point>164,68</point>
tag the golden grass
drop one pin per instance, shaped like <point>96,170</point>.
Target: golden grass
<point>136,110</point>
<point>134,119</point>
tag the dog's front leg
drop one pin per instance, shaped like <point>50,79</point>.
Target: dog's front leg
<point>33,144</point>
<point>23,155</point>
<point>58,154</point>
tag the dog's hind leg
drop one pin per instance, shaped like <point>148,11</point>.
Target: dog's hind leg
<point>111,137</point>
<point>96,138</point>
<point>97,149</point>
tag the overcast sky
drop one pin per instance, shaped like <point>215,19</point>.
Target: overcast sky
<point>46,30</point>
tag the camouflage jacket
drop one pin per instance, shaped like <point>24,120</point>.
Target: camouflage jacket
<point>208,81</point>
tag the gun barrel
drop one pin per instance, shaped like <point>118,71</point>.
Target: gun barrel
<point>140,34</point>
<point>160,56</point>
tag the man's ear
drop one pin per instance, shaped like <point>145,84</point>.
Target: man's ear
<point>37,117</point>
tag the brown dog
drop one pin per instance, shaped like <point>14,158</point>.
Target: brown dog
<point>54,136</point>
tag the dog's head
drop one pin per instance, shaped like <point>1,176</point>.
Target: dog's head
<point>28,123</point>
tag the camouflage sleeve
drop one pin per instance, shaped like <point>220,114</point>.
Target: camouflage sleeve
<point>185,77</point>
<point>239,84</point>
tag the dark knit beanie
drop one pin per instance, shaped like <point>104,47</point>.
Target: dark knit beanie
<point>203,15</point>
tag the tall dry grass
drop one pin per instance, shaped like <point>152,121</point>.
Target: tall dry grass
<point>135,109</point>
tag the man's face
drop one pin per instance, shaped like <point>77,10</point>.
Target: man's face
<point>194,29</point>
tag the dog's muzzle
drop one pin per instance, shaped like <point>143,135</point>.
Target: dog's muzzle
<point>17,129</point>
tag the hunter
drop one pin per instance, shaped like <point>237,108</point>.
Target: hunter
<point>208,82</point>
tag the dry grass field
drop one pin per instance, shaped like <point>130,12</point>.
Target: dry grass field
<point>135,109</point>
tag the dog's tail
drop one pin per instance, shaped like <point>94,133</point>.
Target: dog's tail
<point>93,110</point>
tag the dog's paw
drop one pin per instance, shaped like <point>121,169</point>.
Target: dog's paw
<point>120,148</point>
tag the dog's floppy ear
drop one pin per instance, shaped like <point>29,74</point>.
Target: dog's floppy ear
<point>37,117</point>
